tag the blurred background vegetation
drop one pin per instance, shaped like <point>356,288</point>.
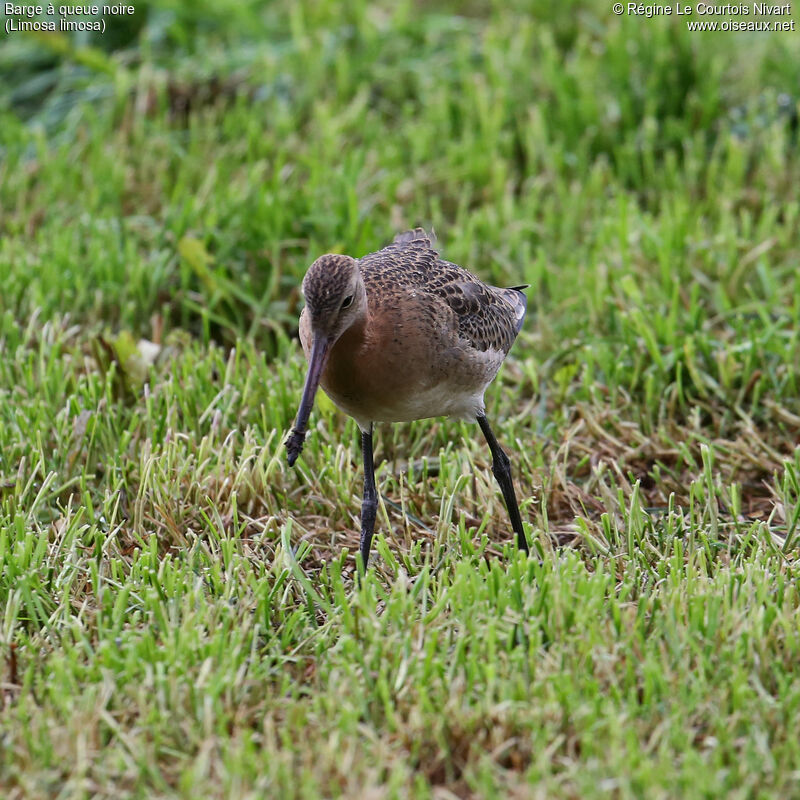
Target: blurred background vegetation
<point>182,169</point>
<point>163,188</point>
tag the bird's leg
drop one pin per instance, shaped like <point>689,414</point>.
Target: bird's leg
<point>501,467</point>
<point>369,506</point>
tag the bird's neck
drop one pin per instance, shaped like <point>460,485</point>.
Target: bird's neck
<point>353,337</point>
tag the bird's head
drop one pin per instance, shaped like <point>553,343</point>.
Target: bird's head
<point>335,300</point>
<point>335,295</point>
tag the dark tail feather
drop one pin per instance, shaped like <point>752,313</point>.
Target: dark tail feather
<point>518,301</point>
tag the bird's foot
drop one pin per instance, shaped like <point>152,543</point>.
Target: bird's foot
<point>294,445</point>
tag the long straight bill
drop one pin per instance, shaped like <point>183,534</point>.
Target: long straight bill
<point>316,364</point>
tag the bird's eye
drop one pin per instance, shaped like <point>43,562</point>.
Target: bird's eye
<point>347,302</point>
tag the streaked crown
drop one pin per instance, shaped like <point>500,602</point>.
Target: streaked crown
<point>329,279</point>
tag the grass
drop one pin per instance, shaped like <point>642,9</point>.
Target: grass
<point>178,613</point>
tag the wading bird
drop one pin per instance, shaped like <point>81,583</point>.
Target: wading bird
<point>400,335</point>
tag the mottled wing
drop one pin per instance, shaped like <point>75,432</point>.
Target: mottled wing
<point>486,317</point>
<point>405,262</point>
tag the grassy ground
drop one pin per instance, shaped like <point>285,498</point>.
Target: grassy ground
<point>178,616</point>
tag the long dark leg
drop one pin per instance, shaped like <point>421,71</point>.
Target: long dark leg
<point>501,467</point>
<point>369,506</point>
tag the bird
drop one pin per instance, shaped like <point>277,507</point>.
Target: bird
<point>399,335</point>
